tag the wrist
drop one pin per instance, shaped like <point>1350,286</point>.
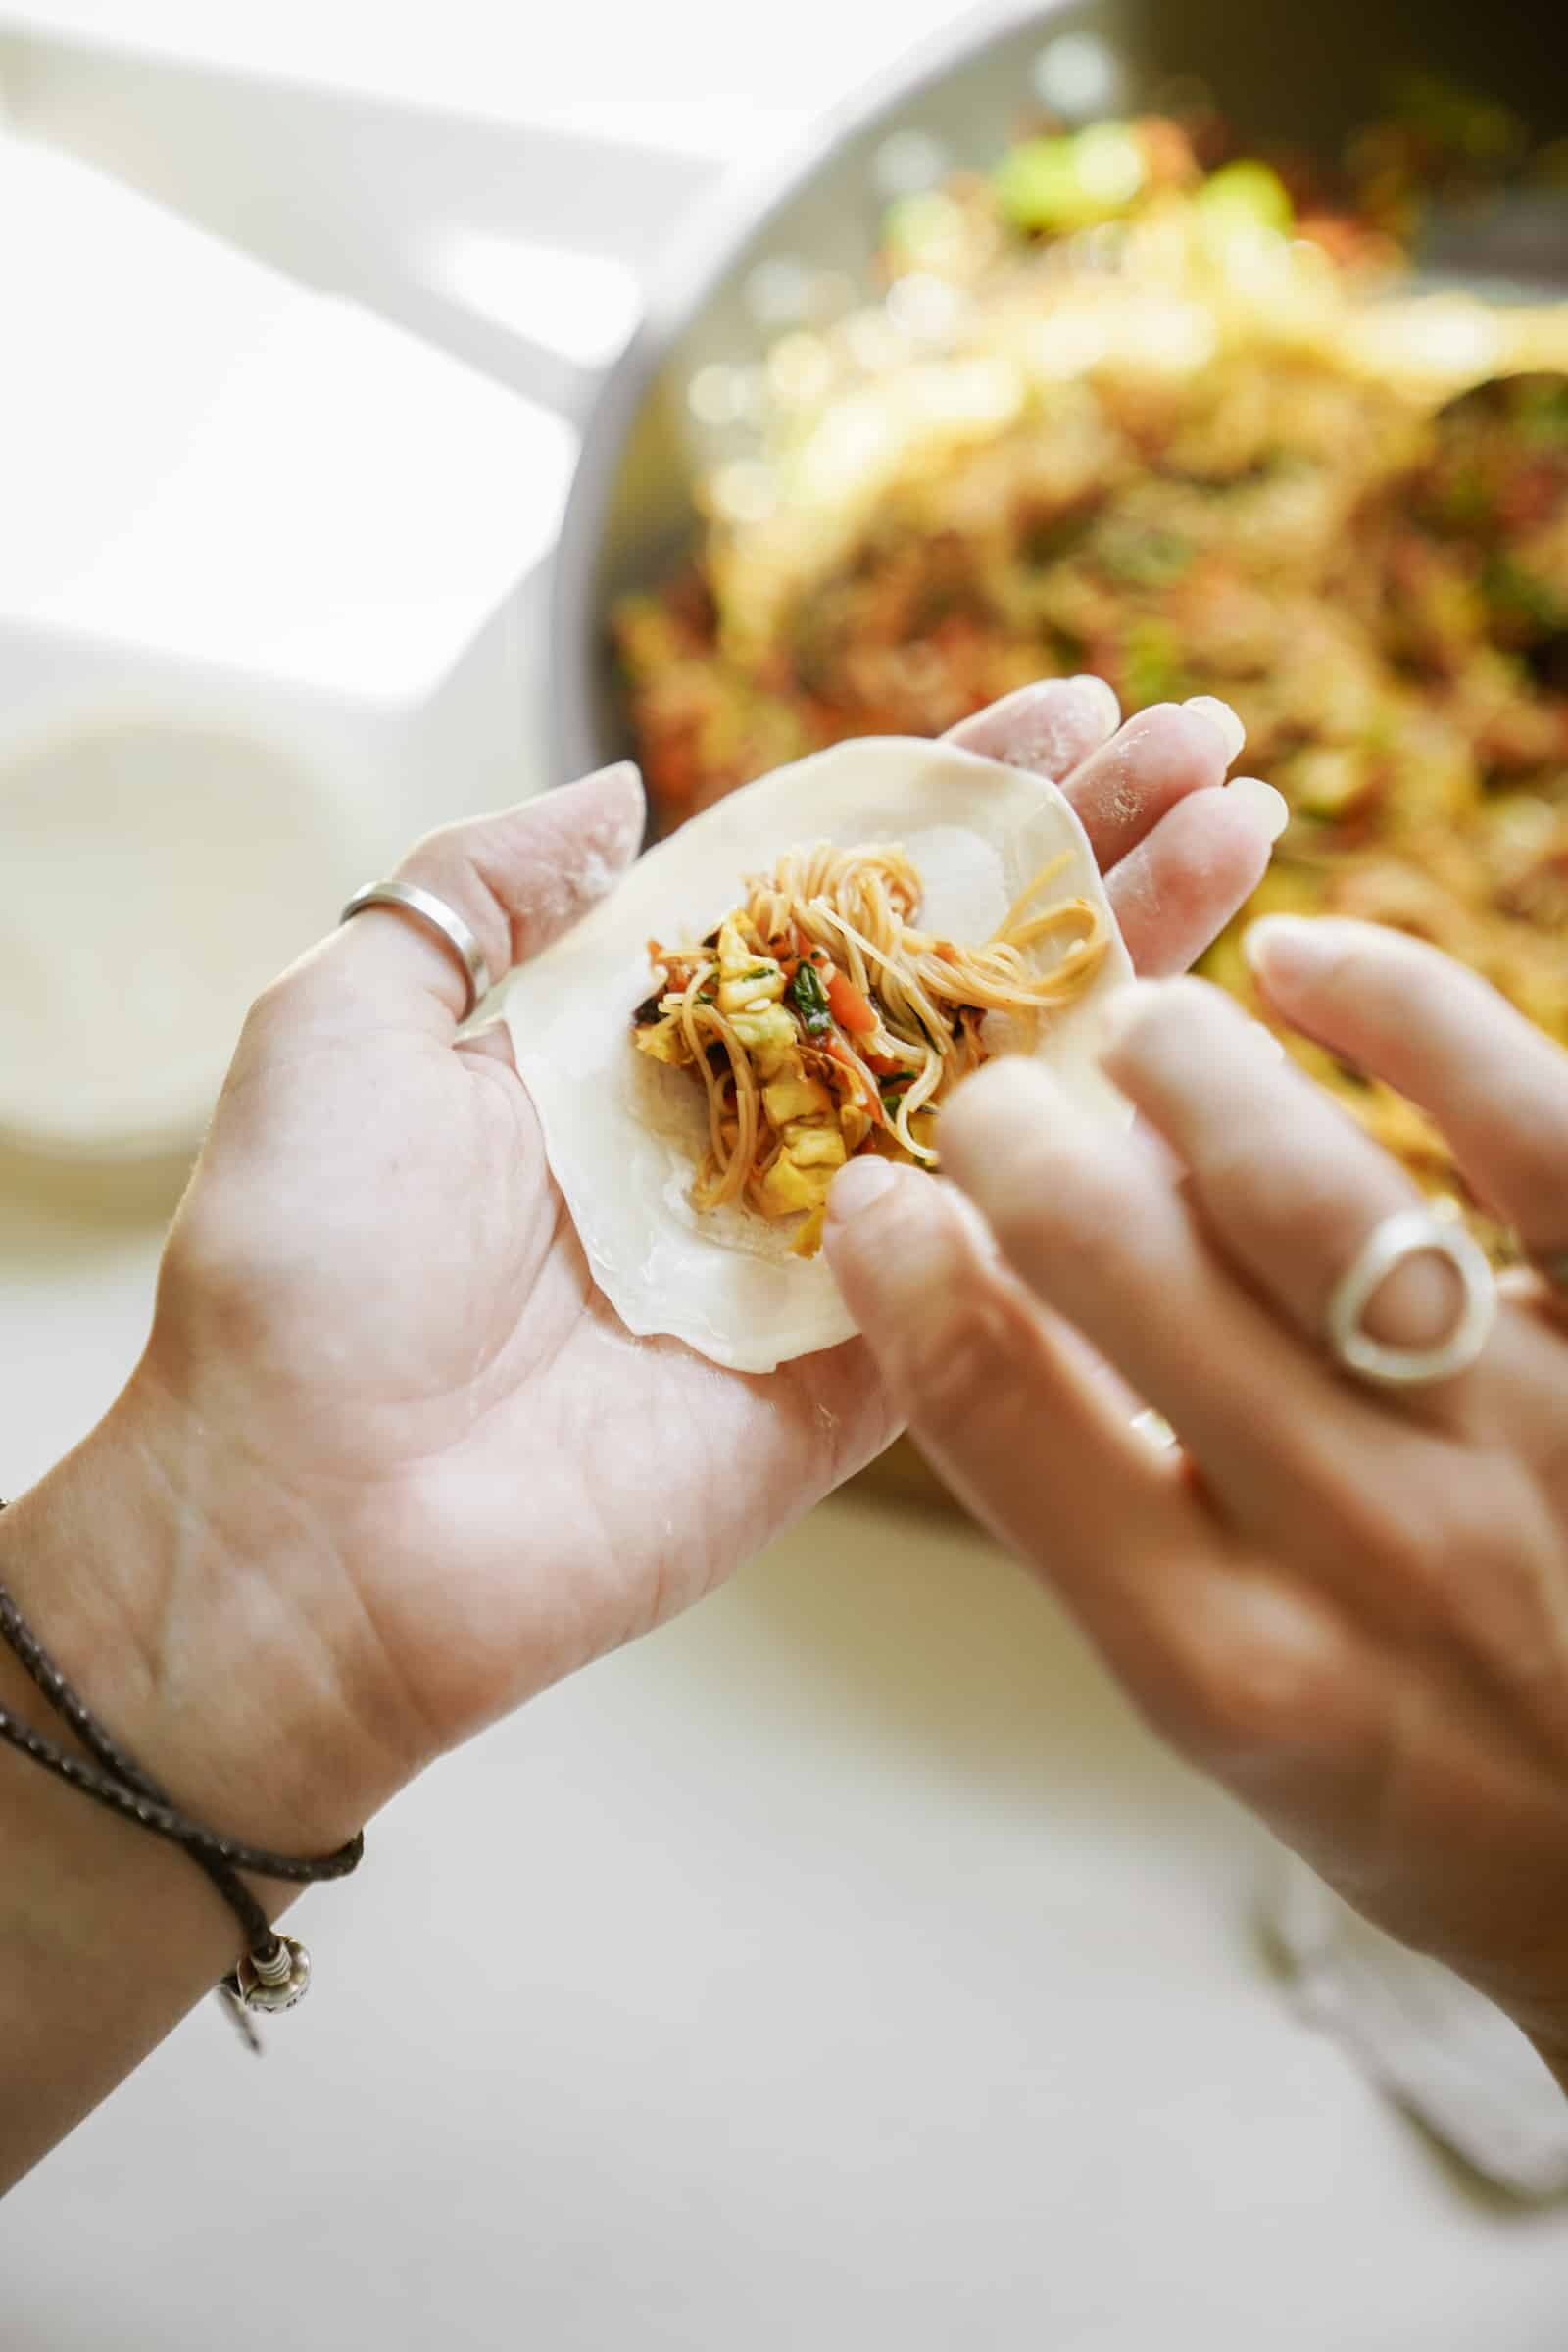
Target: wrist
<point>147,1569</point>
<point>109,1935</point>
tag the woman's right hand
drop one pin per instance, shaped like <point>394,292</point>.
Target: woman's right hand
<point>1348,1604</point>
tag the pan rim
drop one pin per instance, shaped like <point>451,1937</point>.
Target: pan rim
<point>743,203</point>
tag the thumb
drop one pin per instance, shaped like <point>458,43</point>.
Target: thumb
<point>517,880</point>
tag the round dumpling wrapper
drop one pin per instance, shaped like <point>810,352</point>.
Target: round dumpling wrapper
<point>626,1134</point>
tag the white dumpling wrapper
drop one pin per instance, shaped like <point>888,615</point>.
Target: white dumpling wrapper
<point>625,1134</point>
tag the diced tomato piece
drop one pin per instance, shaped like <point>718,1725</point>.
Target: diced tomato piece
<point>850,1008</point>
<point>839,1051</point>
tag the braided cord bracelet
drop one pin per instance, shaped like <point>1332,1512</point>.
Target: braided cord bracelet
<point>274,1971</point>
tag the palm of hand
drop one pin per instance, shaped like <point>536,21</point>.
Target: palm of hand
<point>427,1365</point>
<point>469,1471</point>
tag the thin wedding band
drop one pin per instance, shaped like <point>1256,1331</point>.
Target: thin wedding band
<point>444,920</point>
<point>1412,1233</point>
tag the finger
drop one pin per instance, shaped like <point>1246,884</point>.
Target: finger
<point>1010,1409</point>
<point>1291,1220</point>
<point>1180,885</point>
<point>1048,727</point>
<point>1493,1082</point>
<point>1231,1665</point>
<point>1086,1220</point>
<point>490,1042</point>
<point>519,880</point>
<point>1122,790</point>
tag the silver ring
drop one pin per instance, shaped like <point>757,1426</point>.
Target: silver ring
<point>443,920</point>
<point>1413,1233</point>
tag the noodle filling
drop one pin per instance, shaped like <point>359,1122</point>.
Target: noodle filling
<point>821,1021</point>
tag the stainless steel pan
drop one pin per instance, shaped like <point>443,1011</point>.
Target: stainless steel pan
<point>1307,70</point>
<point>1286,68</point>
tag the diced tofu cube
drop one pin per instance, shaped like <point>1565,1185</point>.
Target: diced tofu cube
<point>786,1189</point>
<point>664,1040</point>
<point>815,1146</point>
<point>769,1034</point>
<point>796,1097</point>
<point>734,955</point>
<point>809,1240</point>
<point>745,978</point>
<point>759,984</point>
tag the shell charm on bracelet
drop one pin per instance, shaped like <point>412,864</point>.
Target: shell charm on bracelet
<point>276,1983</point>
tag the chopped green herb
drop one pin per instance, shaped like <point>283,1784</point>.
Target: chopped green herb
<point>1522,598</point>
<point>809,1000</point>
<point>759,972</point>
<point>1247,195</point>
<point>1052,186</point>
<point>1144,557</point>
<point>1466,501</point>
<point>1151,666</point>
<point>1541,411</point>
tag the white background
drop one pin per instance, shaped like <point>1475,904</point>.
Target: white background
<point>698,74</point>
<point>842,1967</point>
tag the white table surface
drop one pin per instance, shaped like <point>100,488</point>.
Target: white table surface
<point>843,1966</point>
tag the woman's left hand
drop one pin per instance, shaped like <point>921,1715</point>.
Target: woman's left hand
<point>1349,1604</point>
<point>390,1463</point>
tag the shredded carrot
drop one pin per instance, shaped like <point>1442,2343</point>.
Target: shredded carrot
<point>851,1009</point>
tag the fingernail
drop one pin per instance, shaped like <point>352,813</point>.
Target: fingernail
<point>620,772</point>
<point>1209,705</point>
<point>1103,695</point>
<point>1285,944</point>
<point>1271,806</point>
<point>615,833</point>
<point>625,777</point>
<point>856,1187</point>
